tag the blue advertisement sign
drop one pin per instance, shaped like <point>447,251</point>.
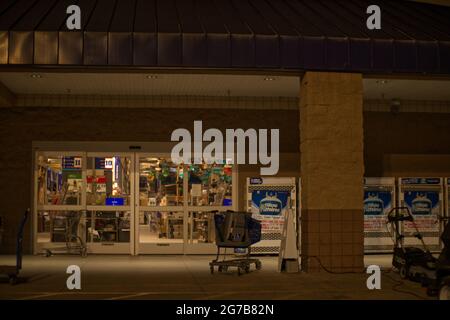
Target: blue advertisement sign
<point>114,202</point>
<point>377,202</point>
<point>269,202</point>
<point>103,163</point>
<point>99,163</point>
<point>70,163</point>
<point>422,202</point>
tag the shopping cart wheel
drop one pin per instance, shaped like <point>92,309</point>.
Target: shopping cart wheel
<point>47,253</point>
<point>239,271</point>
<point>247,269</point>
<point>211,268</point>
<point>84,252</point>
<point>258,265</point>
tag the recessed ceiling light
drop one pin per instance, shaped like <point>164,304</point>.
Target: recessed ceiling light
<point>382,81</point>
<point>152,76</point>
<point>35,76</point>
<point>269,79</point>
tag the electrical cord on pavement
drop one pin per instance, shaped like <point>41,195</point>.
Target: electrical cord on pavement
<point>398,284</point>
<point>395,287</point>
<point>383,270</point>
<point>328,270</point>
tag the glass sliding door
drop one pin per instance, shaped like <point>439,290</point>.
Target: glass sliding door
<point>210,188</point>
<point>161,216</point>
<point>129,203</point>
<point>59,205</point>
<point>110,202</point>
<point>87,196</point>
<point>174,204</point>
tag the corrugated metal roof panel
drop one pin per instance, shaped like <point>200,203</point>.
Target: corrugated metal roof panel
<point>243,34</point>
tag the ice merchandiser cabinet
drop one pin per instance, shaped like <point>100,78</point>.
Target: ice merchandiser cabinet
<point>379,199</point>
<point>424,197</point>
<point>268,199</point>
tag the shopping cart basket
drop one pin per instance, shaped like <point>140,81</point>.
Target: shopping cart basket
<point>237,230</point>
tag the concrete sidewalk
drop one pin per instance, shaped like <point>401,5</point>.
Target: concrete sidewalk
<point>188,277</point>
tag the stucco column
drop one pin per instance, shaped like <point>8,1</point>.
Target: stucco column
<point>332,169</point>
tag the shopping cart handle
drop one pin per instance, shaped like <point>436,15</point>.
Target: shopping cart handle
<point>395,214</point>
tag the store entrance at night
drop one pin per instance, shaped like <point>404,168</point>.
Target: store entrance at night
<point>128,202</point>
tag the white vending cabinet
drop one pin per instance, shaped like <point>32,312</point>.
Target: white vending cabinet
<point>424,197</point>
<point>379,199</point>
<point>267,200</point>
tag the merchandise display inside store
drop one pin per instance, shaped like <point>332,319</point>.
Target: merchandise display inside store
<point>210,185</point>
<point>59,180</point>
<point>160,182</point>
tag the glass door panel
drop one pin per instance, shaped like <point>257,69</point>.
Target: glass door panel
<point>210,185</point>
<point>59,200</point>
<point>57,228</point>
<point>59,179</point>
<point>108,180</point>
<point>161,227</point>
<point>160,221</point>
<point>201,233</point>
<point>160,182</point>
<point>161,232</point>
<point>110,203</point>
<point>109,226</point>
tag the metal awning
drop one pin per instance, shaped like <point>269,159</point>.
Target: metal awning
<point>229,34</point>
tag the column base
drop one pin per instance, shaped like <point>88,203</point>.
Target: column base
<point>332,240</point>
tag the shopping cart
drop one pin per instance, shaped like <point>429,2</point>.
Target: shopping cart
<point>237,230</point>
<point>68,228</point>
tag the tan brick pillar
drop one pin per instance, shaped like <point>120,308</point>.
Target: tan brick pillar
<point>332,169</point>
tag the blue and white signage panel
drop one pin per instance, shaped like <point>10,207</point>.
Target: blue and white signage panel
<point>377,203</point>
<point>268,206</point>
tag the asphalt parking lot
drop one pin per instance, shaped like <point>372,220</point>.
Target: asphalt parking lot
<point>188,277</point>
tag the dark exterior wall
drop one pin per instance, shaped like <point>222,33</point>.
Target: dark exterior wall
<point>387,135</point>
<point>20,126</point>
<point>407,134</point>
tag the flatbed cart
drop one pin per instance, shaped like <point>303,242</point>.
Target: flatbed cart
<point>235,230</point>
<point>70,231</point>
<point>13,271</point>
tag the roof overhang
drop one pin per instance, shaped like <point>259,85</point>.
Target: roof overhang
<point>278,35</point>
